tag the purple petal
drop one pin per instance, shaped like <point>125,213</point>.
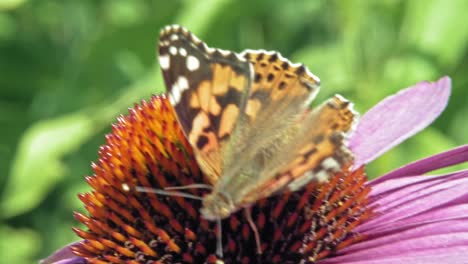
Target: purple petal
<point>421,219</point>
<point>418,201</point>
<point>397,118</point>
<point>441,160</point>
<point>410,251</point>
<point>64,256</point>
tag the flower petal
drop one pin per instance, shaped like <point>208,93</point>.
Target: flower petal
<point>417,202</point>
<point>421,219</point>
<point>441,160</point>
<point>64,256</point>
<point>397,118</point>
<point>408,252</point>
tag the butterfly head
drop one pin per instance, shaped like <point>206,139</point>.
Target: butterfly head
<point>217,205</point>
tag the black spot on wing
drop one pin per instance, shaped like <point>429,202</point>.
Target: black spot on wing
<point>260,56</point>
<point>273,57</point>
<point>185,114</point>
<point>233,96</point>
<point>309,153</point>
<point>270,77</point>
<point>301,70</point>
<point>282,85</point>
<point>258,77</point>
<point>202,141</point>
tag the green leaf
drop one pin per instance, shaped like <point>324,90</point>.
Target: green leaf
<point>438,28</point>
<point>198,15</point>
<point>37,166</point>
<point>11,4</point>
<point>18,246</point>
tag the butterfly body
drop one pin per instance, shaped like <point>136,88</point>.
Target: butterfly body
<point>248,120</point>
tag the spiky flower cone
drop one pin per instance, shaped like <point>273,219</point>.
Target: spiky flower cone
<point>147,148</point>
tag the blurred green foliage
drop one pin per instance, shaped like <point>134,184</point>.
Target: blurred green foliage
<point>69,68</point>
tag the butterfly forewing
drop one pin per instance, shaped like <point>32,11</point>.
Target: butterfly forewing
<point>208,90</point>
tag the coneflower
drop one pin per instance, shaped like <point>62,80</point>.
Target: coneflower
<point>401,217</point>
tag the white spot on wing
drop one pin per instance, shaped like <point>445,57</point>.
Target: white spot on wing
<point>164,62</point>
<point>183,83</point>
<point>330,164</point>
<point>182,52</point>
<point>208,49</point>
<point>174,37</point>
<point>175,94</point>
<point>195,39</point>
<point>322,176</point>
<point>173,50</point>
<point>177,89</point>
<point>171,100</point>
<point>301,181</point>
<point>225,53</point>
<point>192,63</point>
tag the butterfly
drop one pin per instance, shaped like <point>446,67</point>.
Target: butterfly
<point>247,117</point>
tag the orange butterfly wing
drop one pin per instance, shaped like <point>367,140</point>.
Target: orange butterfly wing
<point>208,90</point>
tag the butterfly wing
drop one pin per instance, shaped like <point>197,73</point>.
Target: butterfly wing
<point>246,117</point>
<point>208,90</point>
<point>280,93</point>
<point>315,156</point>
<point>281,143</point>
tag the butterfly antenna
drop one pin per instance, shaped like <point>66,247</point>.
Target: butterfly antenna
<point>142,189</point>
<point>191,186</point>
<point>248,215</point>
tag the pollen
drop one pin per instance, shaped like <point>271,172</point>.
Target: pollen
<point>147,148</point>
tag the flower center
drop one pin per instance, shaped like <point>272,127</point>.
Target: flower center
<point>148,149</point>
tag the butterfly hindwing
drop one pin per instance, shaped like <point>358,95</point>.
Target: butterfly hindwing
<point>295,144</point>
<point>280,95</point>
<point>319,152</point>
<point>208,90</point>
<point>279,87</point>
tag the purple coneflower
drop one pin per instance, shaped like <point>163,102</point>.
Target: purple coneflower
<point>401,217</point>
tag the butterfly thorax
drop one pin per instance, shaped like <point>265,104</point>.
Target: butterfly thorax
<point>217,205</point>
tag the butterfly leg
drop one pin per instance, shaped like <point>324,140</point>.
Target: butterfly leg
<point>248,216</point>
<point>219,239</point>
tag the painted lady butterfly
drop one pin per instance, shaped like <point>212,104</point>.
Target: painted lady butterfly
<point>248,120</point>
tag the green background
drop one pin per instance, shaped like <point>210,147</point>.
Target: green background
<point>69,68</point>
